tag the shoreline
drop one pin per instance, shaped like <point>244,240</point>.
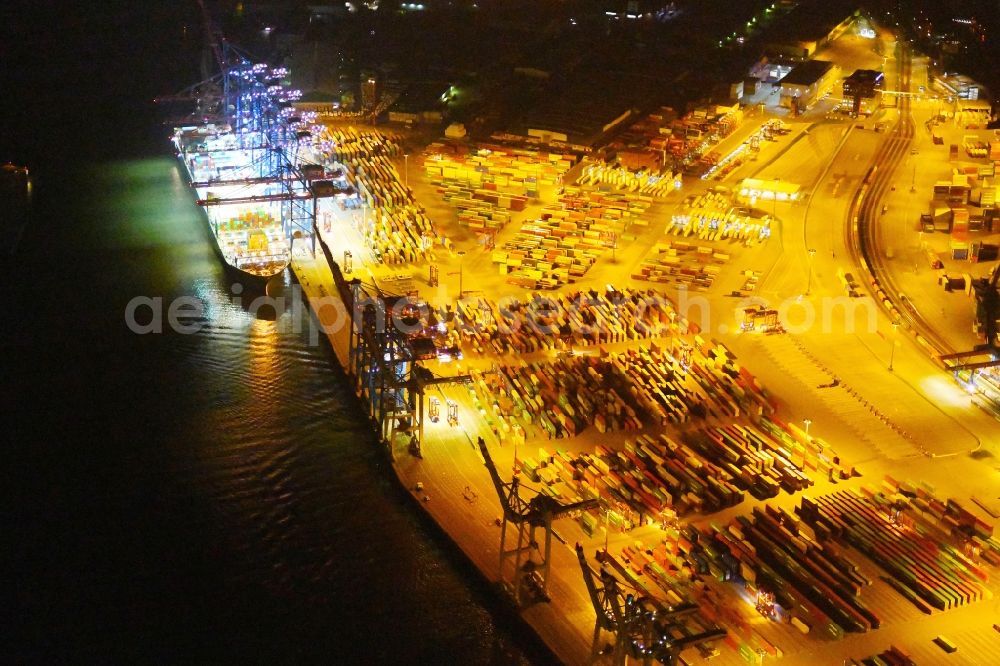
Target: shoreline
<point>501,605</point>
<point>539,649</point>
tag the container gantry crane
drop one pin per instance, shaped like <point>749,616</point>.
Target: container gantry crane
<point>385,369</point>
<point>644,628</point>
<point>616,613</point>
<point>987,295</point>
<point>988,306</point>
<point>528,516</point>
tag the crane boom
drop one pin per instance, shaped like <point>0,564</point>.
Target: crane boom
<point>696,639</point>
<point>210,35</point>
<point>604,599</point>
<point>258,198</point>
<point>261,180</point>
<point>582,505</point>
<point>498,483</point>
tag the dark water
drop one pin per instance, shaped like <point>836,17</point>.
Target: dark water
<point>183,498</point>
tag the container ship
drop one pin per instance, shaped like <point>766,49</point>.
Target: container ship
<point>15,200</point>
<point>242,214</point>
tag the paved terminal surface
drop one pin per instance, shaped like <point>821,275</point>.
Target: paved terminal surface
<point>462,500</point>
<point>830,376</point>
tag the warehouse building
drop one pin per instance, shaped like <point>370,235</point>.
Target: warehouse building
<point>578,116</point>
<point>806,83</point>
<point>420,103</point>
<point>810,26</point>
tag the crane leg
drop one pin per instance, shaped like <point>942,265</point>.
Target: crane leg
<point>503,539</point>
<point>548,552</point>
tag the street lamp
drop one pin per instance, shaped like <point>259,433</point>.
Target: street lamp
<point>406,169</point>
<point>807,422</point>
<point>812,253</point>
<point>461,263</point>
<point>892,348</point>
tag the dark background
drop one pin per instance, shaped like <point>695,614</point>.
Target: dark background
<point>181,499</point>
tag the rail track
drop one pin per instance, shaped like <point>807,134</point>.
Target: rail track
<point>861,231</point>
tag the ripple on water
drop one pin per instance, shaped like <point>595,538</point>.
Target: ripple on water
<point>247,507</point>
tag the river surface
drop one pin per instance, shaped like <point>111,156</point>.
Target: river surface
<point>175,497</point>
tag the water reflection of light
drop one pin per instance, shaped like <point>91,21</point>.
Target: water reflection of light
<point>220,309</point>
<point>264,356</point>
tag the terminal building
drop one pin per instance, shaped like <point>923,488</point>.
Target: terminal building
<point>862,90</point>
<point>798,30</point>
<point>806,83</point>
<point>959,86</point>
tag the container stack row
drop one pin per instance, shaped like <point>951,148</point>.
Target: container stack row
<point>804,451</point>
<point>378,182</point>
<point>664,572</point>
<point>628,497</point>
<point>894,656</point>
<point>689,140</point>
<point>931,567</point>
<point>563,321</point>
<point>560,398</point>
<point>718,373</point>
<point>700,131</point>
<point>654,183</point>
<point>399,234</point>
<point>659,589</point>
<point>761,464</point>
<point>507,171</point>
<point>815,585</point>
<point>564,243</point>
<point>713,226</point>
<point>672,475</point>
<point>715,214</point>
<point>648,141</point>
<point>549,253</point>
<point>975,148</point>
<point>668,571</point>
<point>676,384</point>
<point>480,212</point>
<point>688,264</point>
<point>701,479</point>
<point>662,385</point>
<point>614,208</point>
<point>650,477</point>
<point>343,144</point>
<point>394,225</point>
<point>955,520</point>
<point>249,219</point>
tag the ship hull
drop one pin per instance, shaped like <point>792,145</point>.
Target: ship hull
<point>248,279</point>
<point>253,279</point>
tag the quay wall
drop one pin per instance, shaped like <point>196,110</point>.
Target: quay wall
<point>315,274</point>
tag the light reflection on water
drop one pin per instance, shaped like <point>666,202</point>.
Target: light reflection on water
<point>258,512</point>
